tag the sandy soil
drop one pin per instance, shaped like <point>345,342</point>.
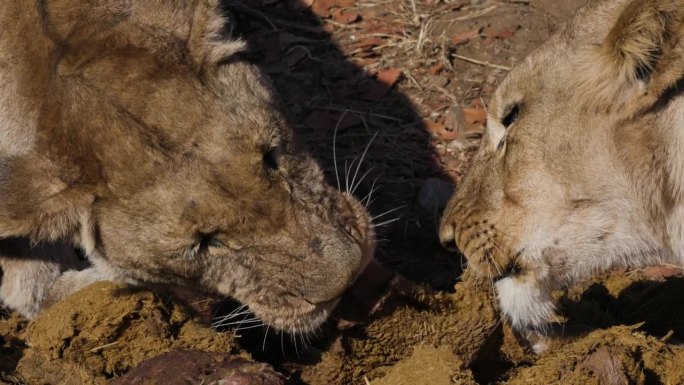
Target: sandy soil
<point>419,74</point>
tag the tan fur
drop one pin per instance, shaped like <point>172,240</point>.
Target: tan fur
<point>591,174</point>
<point>135,130</point>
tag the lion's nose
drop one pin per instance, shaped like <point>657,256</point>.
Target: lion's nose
<point>447,236</point>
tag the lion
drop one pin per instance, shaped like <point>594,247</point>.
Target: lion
<point>138,133</point>
<point>581,167</point>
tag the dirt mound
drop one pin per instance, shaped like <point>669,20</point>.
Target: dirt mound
<point>416,337</point>
<point>617,356</point>
<point>106,329</point>
<point>464,321</point>
<point>437,338</point>
<point>429,365</point>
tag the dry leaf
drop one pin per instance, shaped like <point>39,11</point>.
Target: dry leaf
<point>439,130</point>
<point>364,62</point>
<point>383,29</point>
<point>506,33</point>
<point>343,17</point>
<point>389,77</point>
<point>475,115</point>
<point>322,8</point>
<point>477,103</point>
<point>345,3</point>
<point>368,43</point>
<point>466,36</point>
<point>436,69</point>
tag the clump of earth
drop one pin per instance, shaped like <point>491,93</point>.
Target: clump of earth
<point>107,329</point>
<point>128,335</point>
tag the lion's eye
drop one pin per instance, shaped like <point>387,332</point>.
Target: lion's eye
<point>214,242</point>
<point>209,241</point>
<point>501,143</point>
<point>512,116</point>
<point>271,158</point>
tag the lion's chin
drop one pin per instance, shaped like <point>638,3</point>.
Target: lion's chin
<point>303,319</point>
<point>525,302</point>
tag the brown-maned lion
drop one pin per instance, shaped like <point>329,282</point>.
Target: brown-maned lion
<point>136,131</point>
<point>581,167</point>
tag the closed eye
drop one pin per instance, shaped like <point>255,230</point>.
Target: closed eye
<point>207,241</point>
<point>271,158</point>
<point>512,115</point>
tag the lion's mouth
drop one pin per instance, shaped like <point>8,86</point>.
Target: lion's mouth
<point>513,269</point>
<point>296,314</point>
<point>301,316</point>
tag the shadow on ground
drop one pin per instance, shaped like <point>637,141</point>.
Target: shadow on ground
<point>332,100</point>
<point>369,138</point>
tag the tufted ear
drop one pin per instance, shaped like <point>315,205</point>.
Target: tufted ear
<point>641,57</point>
<point>201,23</point>
<point>177,29</point>
<point>38,200</point>
<point>211,39</point>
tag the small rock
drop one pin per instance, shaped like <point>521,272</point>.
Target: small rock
<point>195,367</point>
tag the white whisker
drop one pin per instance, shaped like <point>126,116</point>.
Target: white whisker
<point>294,342</point>
<point>365,151</point>
<point>346,177</point>
<point>337,126</point>
<point>282,343</point>
<point>387,212</point>
<point>367,198</point>
<point>227,324</point>
<point>231,316</point>
<point>249,327</point>
<point>387,222</point>
<point>365,174</point>
<point>263,344</point>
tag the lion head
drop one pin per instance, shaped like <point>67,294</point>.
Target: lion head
<point>581,167</point>
<point>139,131</point>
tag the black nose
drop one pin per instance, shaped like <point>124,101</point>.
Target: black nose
<point>447,236</point>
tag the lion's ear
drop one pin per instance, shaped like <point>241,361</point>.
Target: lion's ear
<point>646,42</point>
<point>211,38</point>
<point>641,57</point>
<point>38,201</point>
<point>202,22</point>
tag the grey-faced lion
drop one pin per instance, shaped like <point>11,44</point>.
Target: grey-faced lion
<point>581,167</point>
<point>136,131</point>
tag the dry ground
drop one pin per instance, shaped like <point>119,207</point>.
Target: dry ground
<point>409,80</point>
